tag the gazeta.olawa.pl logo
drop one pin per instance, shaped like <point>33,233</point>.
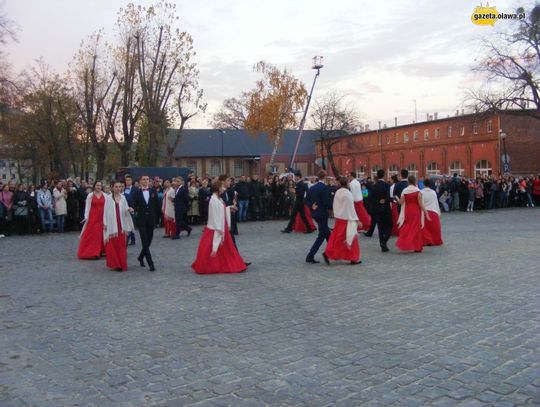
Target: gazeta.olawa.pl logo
<point>487,15</point>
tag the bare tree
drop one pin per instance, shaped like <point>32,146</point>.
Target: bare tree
<point>233,113</point>
<point>511,67</point>
<point>332,117</point>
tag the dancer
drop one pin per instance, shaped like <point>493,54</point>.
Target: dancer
<point>91,245</point>
<point>318,199</point>
<point>343,243</point>
<point>217,252</point>
<point>380,209</point>
<point>299,225</point>
<point>395,213</point>
<point>432,225</point>
<point>117,224</point>
<point>145,203</point>
<point>356,191</point>
<point>411,218</point>
<point>128,191</point>
<point>181,205</point>
<point>298,208</point>
<point>167,209</point>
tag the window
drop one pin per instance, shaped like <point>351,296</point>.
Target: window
<point>449,131</point>
<point>483,167</point>
<point>462,130</point>
<point>426,135</point>
<point>387,139</point>
<point>379,139</point>
<point>396,138</point>
<point>192,165</point>
<point>433,169</point>
<point>489,126</point>
<point>415,135</point>
<point>393,170</point>
<point>374,171</point>
<point>2,163</point>
<point>413,169</point>
<point>238,168</point>
<point>437,133</point>
<point>215,168</point>
<point>405,137</point>
<point>456,167</point>
<point>475,128</point>
<point>361,172</point>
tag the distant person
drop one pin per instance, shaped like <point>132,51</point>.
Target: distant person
<point>411,218</point>
<point>432,223</point>
<point>318,199</point>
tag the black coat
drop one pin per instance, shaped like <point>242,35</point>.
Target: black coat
<point>181,199</point>
<point>146,212</point>
<point>380,198</point>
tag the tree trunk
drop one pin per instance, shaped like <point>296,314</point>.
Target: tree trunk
<point>323,161</point>
<point>124,156</point>
<point>101,152</point>
<point>330,156</point>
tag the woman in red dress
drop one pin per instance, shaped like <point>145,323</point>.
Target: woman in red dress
<point>343,243</point>
<point>117,224</point>
<point>411,218</point>
<point>91,245</point>
<point>299,225</point>
<point>432,225</point>
<point>356,191</point>
<point>217,252</point>
<point>395,213</point>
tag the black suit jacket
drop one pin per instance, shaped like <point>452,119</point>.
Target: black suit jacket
<point>400,186</point>
<point>146,212</point>
<point>181,199</point>
<point>319,194</point>
<point>301,189</point>
<point>379,198</point>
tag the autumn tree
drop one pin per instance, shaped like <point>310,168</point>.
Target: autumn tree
<point>332,117</point>
<point>511,67</point>
<point>233,113</point>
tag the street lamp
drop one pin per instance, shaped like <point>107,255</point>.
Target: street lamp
<point>221,162</point>
<point>317,64</point>
<point>506,165</point>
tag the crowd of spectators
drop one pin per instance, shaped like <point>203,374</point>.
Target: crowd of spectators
<point>59,205</point>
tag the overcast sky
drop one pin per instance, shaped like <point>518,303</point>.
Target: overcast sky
<point>382,54</point>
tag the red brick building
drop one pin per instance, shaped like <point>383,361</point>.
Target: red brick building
<point>468,144</point>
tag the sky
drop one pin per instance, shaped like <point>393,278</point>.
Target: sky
<point>383,55</point>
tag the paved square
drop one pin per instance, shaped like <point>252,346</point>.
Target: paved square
<point>455,325</point>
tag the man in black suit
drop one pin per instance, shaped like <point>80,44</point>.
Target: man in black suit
<point>318,199</point>
<point>145,203</point>
<point>128,194</point>
<point>181,205</point>
<point>401,185</point>
<point>298,208</point>
<point>381,209</point>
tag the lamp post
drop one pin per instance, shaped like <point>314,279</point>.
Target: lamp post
<point>506,165</point>
<point>221,162</point>
<point>317,64</point>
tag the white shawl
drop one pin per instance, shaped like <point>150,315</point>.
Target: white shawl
<point>344,209</point>
<point>109,217</point>
<point>87,208</point>
<point>218,214</point>
<point>168,205</point>
<point>408,190</point>
<point>431,203</point>
<point>356,190</point>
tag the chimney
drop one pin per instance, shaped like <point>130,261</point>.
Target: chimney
<point>427,117</point>
<point>395,121</point>
<point>379,124</point>
<point>384,126</point>
<point>435,115</point>
<point>366,127</point>
<point>457,112</point>
<point>462,112</point>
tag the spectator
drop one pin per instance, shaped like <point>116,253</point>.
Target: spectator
<point>60,205</point>
<point>6,213</point>
<point>44,202</point>
<point>243,191</point>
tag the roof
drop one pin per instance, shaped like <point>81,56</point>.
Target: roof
<point>238,143</point>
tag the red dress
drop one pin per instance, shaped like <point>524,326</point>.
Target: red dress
<point>115,248</point>
<point>91,244</point>
<point>410,233</point>
<point>226,260</point>
<point>363,216</point>
<point>337,249</point>
<point>395,217</point>
<point>170,226</point>
<point>299,226</point>
<point>432,230</point>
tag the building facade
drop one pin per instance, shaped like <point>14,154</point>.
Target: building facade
<point>235,152</point>
<point>470,144</point>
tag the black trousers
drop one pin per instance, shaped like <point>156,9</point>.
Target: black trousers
<point>298,209</point>
<point>324,234</point>
<point>384,226</point>
<point>146,232</point>
<point>180,220</point>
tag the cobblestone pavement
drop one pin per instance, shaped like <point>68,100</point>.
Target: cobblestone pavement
<point>455,325</point>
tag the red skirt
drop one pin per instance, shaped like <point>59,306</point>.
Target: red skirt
<point>395,217</point>
<point>363,216</point>
<point>337,249</point>
<point>170,226</point>
<point>432,230</point>
<point>299,226</point>
<point>410,233</point>
<point>91,244</point>
<point>226,260</point>
<point>116,252</point>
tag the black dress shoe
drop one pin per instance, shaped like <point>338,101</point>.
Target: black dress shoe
<point>175,237</point>
<point>247,263</point>
<point>152,268</point>
<point>118,269</point>
<point>141,262</point>
<point>132,243</point>
<point>325,257</point>
<point>307,232</point>
<point>313,261</point>
<point>285,231</point>
<point>385,249</point>
<point>189,232</point>
<point>367,234</point>
<point>356,262</point>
